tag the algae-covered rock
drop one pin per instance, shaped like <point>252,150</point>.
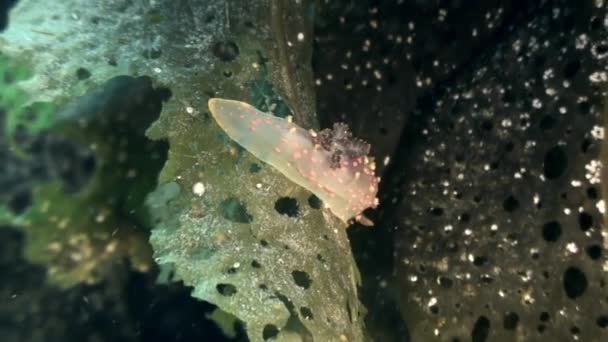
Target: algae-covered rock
<point>241,234</point>
<point>88,172</point>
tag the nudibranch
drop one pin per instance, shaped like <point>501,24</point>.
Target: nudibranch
<point>330,163</point>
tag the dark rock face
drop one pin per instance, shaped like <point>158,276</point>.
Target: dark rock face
<point>492,201</point>
<point>5,6</point>
<point>375,60</point>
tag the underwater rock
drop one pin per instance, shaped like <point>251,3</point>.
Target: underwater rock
<point>374,79</point>
<point>400,51</point>
<point>232,242</point>
<point>500,223</point>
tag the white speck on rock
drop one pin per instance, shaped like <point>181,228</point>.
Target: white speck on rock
<point>198,189</point>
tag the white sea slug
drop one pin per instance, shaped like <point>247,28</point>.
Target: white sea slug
<point>329,163</point>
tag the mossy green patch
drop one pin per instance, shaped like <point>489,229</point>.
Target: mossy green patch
<point>33,117</point>
<point>78,225</point>
<point>78,238</point>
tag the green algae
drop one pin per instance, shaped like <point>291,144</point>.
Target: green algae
<point>82,234</point>
<point>34,117</point>
<point>79,239</point>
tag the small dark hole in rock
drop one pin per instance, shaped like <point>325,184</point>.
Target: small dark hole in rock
<point>555,162</point>
<point>226,51</point>
<point>270,331</point>
<point>575,282</point>
<point>585,221</point>
<point>314,202</point>
<point>234,210</point>
<point>601,49</point>
<point>480,260</point>
<point>481,329</point>
<point>287,206</point>
<point>602,321</point>
<point>552,231</point>
<point>594,252</point>
<point>465,217</point>
<point>510,204</point>
<point>592,193</point>
<point>255,264</point>
<point>446,282</point>
<point>306,313</point>
<point>436,211</point>
<point>586,144</point>
<point>264,243</point>
<point>544,316</point>
<point>82,73</point>
<point>226,289</point>
<point>254,168</point>
<point>208,18</point>
<point>302,279</point>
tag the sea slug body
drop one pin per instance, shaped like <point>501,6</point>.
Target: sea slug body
<point>330,163</point>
